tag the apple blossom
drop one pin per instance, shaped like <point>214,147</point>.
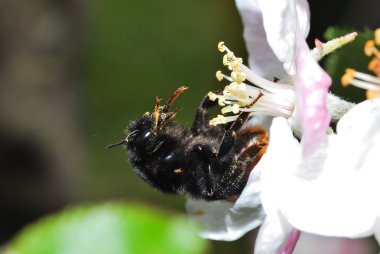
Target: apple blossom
<point>274,33</point>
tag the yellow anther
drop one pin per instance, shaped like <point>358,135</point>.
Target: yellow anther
<point>236,64</point>
<point>221,46</point>
<point>377,36</point>
<point>211,96</point>
<point>221,101</point>
<point>231,108</point>
<point>371,94</point>
<point>235,90</point>
<point>373,64</point>
<point>348,77</point>
<point>232,86</point>
<point>351,72</point>
<point>238,77</point>
<point>218,120</point>
<point>225,60</point>
<point>369,48</point>
<point>230,56</point>
<point>219,75</point>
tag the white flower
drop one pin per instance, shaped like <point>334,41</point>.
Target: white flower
<point>336,191</point>
<point>274,32</point>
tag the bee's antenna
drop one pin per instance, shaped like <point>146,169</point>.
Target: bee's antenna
<point>173,98</point>
<point>116,144</point>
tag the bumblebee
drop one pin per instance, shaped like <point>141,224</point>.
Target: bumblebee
<point>205,162</point>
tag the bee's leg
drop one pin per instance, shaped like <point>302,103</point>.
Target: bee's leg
<point>201,122</point>
<point>230,134</point>
<point>229,137</point>
<point>235,178</point>
<point>207,157</point>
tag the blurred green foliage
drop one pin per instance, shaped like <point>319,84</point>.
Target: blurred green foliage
<point>350,56</point>
<point>113,228</point>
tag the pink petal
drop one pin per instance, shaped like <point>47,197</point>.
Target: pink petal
<point>312,86</point>
<point>274,234</point>
<point>291,243</point>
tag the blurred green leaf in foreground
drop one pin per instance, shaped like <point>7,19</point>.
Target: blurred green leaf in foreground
<point>112,228</point>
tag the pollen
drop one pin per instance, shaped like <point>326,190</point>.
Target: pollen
<point>231,108</point>
<point>212,96</point>
<point>348,77</point>
<point>371,94</point>
<point>221,46</point>
<point>373,64</point>
<point>377,36</point>
<point>218,120</point>
<point>249,92</point>
<point>221,101</point>
<point>369,48</point>
<point>227,59</point>
<point>238,77</point>
<point>236,64</point>
<point>219,75</point>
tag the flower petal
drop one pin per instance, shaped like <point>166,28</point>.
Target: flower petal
<point>285,22</point>
<point>312,86</point>
<point>261,57</point>
<point>228,221</point>
<point>342,201</point>
<point>275,165</point>
<point>274,234</point>
<point>377,230</point>
<point>278,163</point>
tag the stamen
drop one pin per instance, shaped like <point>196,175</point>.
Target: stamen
<point>220,76</point>
<point>347,78</point>
<point>370,49</point>
<point>212,96</point>
<point>373,64</point>
<point>371,94</point>
<point>218,120</point>
<point>364,83</point>
<point>221,101</point>
<point>278,99</point>
<point>231,108</point>
<point>377,36</point>
<point>365,77</point>
<point>221,46</point>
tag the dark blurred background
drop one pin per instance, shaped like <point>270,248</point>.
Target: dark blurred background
<point>74,73</point>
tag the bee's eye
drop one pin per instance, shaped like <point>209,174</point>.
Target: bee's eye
<point>146,135</point>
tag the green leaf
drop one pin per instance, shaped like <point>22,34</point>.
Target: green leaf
<point>349,56</point>
<point>113,228</point>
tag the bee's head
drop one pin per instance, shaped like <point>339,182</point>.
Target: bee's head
<point>143,133</point>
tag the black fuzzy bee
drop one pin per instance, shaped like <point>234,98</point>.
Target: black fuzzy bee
<point>206,162</point>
